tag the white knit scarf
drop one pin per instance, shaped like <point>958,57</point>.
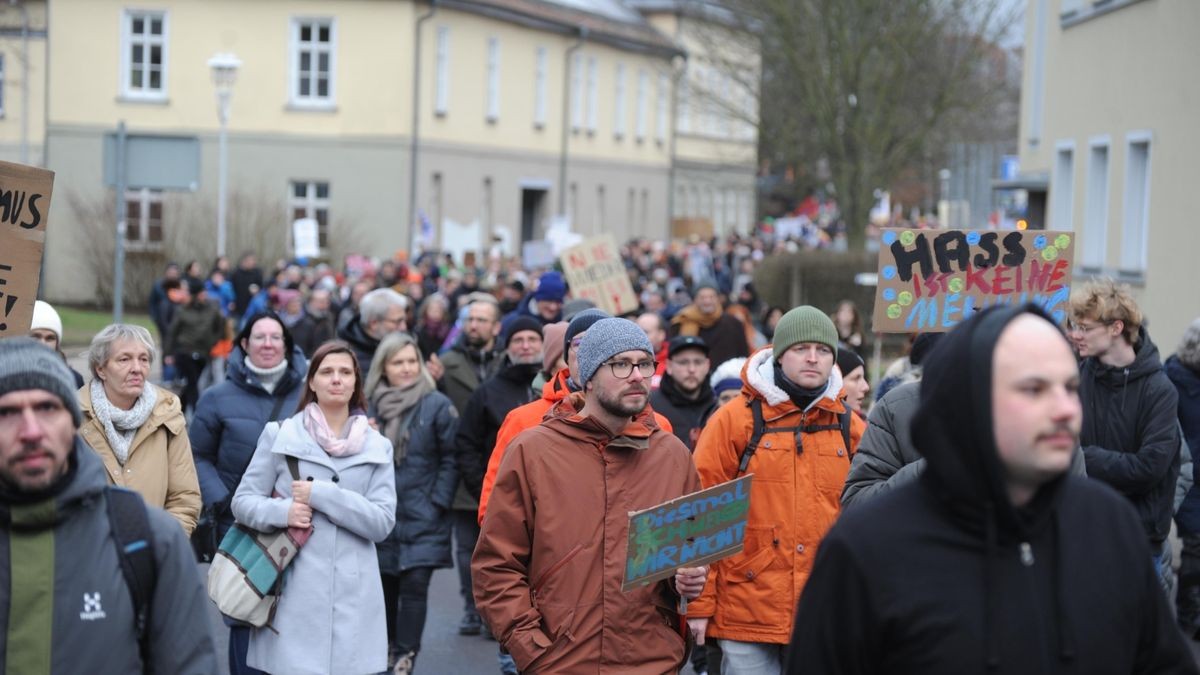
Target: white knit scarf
<point>120,426</point>
<point>268,377</point>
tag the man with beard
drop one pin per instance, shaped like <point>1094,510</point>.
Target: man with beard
<point>684,396</point>
<point>316,327</point>
<point>724,333</point>
<point>996,559</point>
<point>551,557</point>
<point>474,358</point>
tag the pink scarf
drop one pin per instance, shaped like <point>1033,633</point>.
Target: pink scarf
<point>318,428</point>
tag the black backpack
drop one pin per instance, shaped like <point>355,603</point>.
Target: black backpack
<point>130,526</point>
<point>761,428</point>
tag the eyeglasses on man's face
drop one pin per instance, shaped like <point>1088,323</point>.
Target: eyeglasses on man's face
<point>1084,327</point>
<point>623,369</point>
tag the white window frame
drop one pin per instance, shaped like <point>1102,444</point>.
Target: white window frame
<point>593,101</point>
<point>315,49</point>
<point>577,101</point>
<point>619,102</point>
<point>493,79</point>
<point>643,84</point>
<point>441,70</point>
<point>145,197</point>
<point>1095,208</point>
<point>660,125</point>
<point>1062,186</point>
<point>310,202</point>
<point>1135,235</point>
<point>539,88</point>
<point>144,93</point>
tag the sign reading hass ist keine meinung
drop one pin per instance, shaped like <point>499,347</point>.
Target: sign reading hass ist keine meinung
<point>931,280</point>
<point>24,207</point>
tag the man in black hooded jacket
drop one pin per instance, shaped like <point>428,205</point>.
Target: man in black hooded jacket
<point>995,560</point>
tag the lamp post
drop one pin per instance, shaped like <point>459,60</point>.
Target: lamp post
<point>224,67</point>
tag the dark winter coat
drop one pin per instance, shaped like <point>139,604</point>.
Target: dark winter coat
<point>195,329</point>
<point>229,419</point>
<point>364,345</point>
<point>945,576</point>
<point>465,369</point>
<point>1130,437</point>
<point>312,331</point>
<point>685,414</point>
<point>527,307</point>
<point>425,483</point>
<point>1187,384</point>
<point>726,339</point>
<point>886,457</point>
<point>91,621</point>
<point>242,280</point>
<point>508,389</point>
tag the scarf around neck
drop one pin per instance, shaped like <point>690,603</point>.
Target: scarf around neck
<point>268,377</point>
<point>691,320</point>
<point>392,407</point>
<point>337,446</point>
<point>120,426</point>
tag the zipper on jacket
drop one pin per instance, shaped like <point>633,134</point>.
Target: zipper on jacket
<point>1026,554</point>
<point>554,568</point>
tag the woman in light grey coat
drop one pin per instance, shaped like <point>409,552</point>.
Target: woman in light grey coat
<point>330,616</point>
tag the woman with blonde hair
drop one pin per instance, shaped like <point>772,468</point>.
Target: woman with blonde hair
<point>421,423</point>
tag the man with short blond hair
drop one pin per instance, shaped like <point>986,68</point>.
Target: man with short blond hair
<point>1130,435</point>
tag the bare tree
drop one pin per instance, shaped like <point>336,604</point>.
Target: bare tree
<point>870,88</point>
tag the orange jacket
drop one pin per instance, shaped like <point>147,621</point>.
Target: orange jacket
<point>526,417</point>
<point>794,499</point>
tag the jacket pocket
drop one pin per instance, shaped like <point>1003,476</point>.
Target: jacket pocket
<point>755,588</point>
<point>832,466</point>
<point>536,592</point>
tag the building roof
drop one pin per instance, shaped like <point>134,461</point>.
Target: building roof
<point>605,21</point>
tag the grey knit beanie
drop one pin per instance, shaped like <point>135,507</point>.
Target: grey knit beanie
<point>605,339</point>
<point>29,364</point>
<point>804,324</point>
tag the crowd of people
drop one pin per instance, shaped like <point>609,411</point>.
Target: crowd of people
<point>1004,506</point>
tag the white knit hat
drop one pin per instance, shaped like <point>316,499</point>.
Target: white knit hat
<point>45,317</point>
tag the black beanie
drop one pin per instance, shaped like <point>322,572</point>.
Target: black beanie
<point>581,323</point>
<point>522,323</point>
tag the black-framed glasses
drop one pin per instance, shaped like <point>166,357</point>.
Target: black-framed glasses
<point>623,369</point>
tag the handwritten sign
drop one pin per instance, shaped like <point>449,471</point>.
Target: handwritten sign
<point>931,280</point>
<point>24,207</point>
<point>596,272</point>
<point>687,531</point>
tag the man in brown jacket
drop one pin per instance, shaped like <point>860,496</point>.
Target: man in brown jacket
<point>551,557</point>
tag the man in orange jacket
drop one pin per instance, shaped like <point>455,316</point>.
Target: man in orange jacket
<point>800,465</point>
<point>530,415</point>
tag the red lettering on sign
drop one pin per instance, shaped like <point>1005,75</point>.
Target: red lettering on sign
<point>975,278</point>
<point>1060,270</point>
<point>999,278</point>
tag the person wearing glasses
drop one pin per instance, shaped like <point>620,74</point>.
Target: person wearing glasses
<point>794,395</point>
<point>551,557</point>
<point>1130,435</point>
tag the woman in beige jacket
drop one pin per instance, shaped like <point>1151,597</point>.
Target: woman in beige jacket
<point>137,428</point>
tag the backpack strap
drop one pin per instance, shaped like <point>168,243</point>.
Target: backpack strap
<point>843,425</point>
<point>760,428</point>
<point>130,525</point>
<point>293,466</point>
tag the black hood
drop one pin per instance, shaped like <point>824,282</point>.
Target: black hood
<point>357,337</point>
<point>953,428</point>
<point>1146,362</point>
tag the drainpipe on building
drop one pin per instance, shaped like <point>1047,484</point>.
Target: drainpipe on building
<point>679,66</point>
<point>24,79</point>
<point>566,117</point>
<point>416,127</point>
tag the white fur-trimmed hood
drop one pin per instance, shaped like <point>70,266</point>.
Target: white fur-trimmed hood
<point>759,374</point>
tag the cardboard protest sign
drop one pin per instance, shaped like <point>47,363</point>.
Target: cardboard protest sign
<point>596,272</point>
<point>687,531</point>
<point>931,280</point>
<point>24,207</point>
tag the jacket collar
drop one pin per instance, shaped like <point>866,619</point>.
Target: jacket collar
<point>758,379</point>
<point>293,440</point>
<point>167,413</point>
<point>565,417</point>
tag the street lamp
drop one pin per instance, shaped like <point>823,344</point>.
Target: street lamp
<point>224,68</point>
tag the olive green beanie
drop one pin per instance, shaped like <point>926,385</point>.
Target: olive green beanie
<point>804,324</point>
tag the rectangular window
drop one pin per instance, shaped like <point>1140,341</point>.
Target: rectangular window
<point>1095,209</point>
<point>144,55</point>
<point>1134,235</point>
<point>143,219</point>
<point>312,62</point>
<point>577,93</point>
<point>592,99</point>
<point>598,226</point>
<point>660,131</point>
<point>643,83</point>
<point>619,103</point>
<point>1062,189</point>
<point>539,88</point>
<point>310,199</point>
<point>441,88</point>
<point>493,79</point>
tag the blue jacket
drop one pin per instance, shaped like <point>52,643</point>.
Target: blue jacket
<point>426,480</point>
<point>1187,383</point>
<point>228,421</point>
